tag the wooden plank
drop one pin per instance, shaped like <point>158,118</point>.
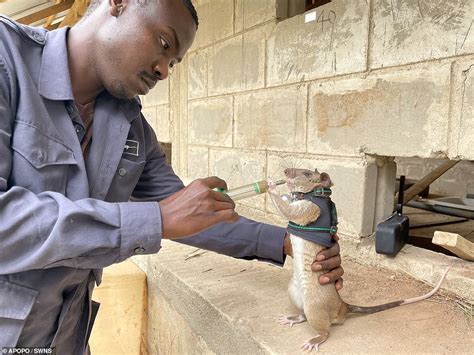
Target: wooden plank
<point>455,243</point>
<point>49,11</point>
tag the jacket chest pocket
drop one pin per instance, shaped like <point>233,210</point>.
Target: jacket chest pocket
<point>125,179</point>
<point>16,303</point>
<point>40,163</point>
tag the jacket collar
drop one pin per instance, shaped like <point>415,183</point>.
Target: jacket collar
<point>54,79</point>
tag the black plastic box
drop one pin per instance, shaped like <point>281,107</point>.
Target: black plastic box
<point>392,234</point>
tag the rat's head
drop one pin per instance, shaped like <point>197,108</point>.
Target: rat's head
<point>305,180</point>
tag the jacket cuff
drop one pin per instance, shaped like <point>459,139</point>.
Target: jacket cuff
<point>270,244</point>
<point>140,228</point>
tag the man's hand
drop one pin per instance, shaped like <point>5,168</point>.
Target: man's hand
<point>326,260</point>
<point>329,260</point>
<point>196,208</point>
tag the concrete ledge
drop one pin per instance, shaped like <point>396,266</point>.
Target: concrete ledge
<point>120,325</point>
<point>204,303</point>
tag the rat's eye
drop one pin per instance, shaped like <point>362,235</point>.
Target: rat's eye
<point>164,43</point>
<point>306,174</point>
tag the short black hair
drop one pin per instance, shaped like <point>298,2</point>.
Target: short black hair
<point>188,3</point>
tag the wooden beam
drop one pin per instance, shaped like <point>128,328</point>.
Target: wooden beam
<point>75,13</point>
<point>455,244</point>
<point>426,181</point>
<point>50,19</point>
<point>49,11</point>
<point>52,26</point>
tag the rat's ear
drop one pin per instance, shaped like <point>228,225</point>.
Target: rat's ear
<point>316,171</point>
<point>325,180</point>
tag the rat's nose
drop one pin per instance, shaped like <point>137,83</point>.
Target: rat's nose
<point>289,172</point>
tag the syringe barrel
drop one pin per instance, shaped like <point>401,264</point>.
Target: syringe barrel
<point>245,191</point>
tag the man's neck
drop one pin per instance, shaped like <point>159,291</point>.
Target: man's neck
<point>85,84</point>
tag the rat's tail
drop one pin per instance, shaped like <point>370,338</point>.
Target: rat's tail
<point>383,307</point>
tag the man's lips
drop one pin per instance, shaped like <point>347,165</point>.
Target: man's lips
<point>149,82</point>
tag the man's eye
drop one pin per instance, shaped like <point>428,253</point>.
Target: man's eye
<point>164,44</point>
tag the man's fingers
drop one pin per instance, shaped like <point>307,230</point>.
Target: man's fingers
<point>339,284</point>
<point>223,205</point>
<point>213,182</point>
<point>332,276</point>
<point>327,265</point>
<point>229,216</point>
<point>328,253</point>
<point>219,196</point>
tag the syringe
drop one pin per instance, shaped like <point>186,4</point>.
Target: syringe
<point>249,190</point>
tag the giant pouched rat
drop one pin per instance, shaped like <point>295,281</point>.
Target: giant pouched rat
<point>312,226</point>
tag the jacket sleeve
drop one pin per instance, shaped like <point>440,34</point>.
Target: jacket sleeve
<point>246,239</point>
<point>46,230</point>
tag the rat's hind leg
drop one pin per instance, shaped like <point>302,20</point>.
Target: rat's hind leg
<point>296,297</point>
<point>319,318</point>
<point>284,320</point>
<point>314,343</point>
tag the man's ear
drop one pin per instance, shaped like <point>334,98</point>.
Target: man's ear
<point>116,7</point>
<point>325,180</point>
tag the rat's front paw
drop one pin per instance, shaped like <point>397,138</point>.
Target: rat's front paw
<point>271,187</point>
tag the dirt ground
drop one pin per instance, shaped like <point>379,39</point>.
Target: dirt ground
<point>435,326</point>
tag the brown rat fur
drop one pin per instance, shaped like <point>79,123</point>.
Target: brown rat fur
<point>320,305</point>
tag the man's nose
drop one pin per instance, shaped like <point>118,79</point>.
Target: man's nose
<point>161,69</point>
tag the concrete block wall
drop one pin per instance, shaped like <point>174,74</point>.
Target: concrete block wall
<point>368,81</point>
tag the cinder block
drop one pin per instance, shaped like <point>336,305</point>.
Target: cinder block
<point>249,13</point>
<point>272,119</point>
<point>210,122</point>
<point>354,187</point>
<point>253,69</point>
<point>197,74</point>
<point>413,31</point>
<point>166,319</point>
<point>239,63</point>
<point>150,115</point>
<point>216,21</point>
<point>163,125</point>
<point>225,66</point>
<point>158,95</point>
<point>198,162</point>
<point>395,113</point>
<point>179,117</point>
<point>462,118</point>
<point>385,188</point>
<point>237,168</point>
<point>336,43</point>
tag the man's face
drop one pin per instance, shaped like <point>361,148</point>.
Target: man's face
<point>137,48</point>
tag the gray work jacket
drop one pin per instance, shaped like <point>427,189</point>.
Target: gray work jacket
<point>63,218</point>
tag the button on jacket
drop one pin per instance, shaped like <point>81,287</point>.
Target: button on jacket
<point>63,218</point>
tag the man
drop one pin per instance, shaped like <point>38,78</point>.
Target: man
<point>75,148</point>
